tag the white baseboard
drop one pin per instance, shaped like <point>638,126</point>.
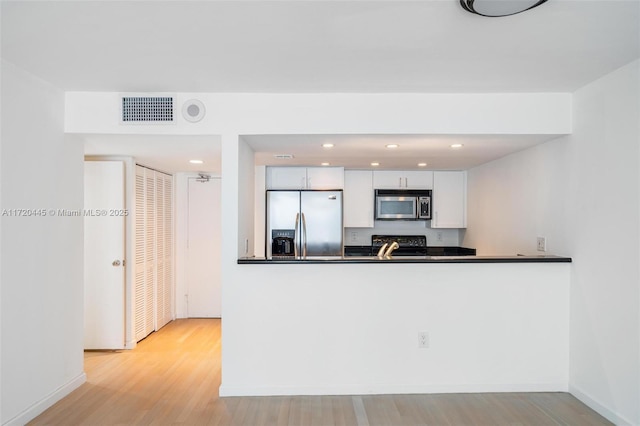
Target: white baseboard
<point>589,401</point>
<point>382,389</point>
<point>39,407</point>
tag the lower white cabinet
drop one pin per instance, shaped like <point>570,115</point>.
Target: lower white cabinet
<point>358,199</point>
<point>449,199</point>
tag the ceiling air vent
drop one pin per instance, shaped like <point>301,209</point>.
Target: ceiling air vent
<point>147,109</point>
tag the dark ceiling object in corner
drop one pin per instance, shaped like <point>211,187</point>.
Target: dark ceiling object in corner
<point>497,8</point>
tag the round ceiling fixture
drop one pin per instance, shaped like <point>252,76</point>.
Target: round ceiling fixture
<point>193,110</point>
<point>497,8</point>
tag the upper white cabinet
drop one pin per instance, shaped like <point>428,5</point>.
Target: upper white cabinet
<point>325,177</point>
<point>393,179</point>
<point>305,178</point>
<point>358,199</point>
<point>286,177</point>
<point>449,199</point>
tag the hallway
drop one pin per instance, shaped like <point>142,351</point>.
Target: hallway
<point>172,378</point>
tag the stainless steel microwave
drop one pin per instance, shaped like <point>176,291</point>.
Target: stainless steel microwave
<point>393,204</point>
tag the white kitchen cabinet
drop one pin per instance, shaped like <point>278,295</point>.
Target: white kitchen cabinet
<point>408,179</point>
<point>286,177</point>
<point>358,199</point>
<point>449,199</point>
<point>305,178</point>
<point>325,178</point>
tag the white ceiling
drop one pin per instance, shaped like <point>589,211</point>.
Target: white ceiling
<point>168,154</point>
<point>319,46</point>
<point>359,151</point>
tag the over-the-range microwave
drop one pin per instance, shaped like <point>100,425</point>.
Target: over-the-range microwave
<point>402,204</point>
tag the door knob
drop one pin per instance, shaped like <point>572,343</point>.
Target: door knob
<point>116,263</point>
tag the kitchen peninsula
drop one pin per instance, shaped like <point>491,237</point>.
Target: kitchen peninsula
<point>428,325</point>
<point>411,259</point>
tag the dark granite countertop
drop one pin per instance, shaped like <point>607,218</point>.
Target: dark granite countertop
<point>410,259</point>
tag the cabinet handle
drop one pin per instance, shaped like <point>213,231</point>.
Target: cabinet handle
<point>308,183</point>
<point>406,182</point>
<point>400,182</point>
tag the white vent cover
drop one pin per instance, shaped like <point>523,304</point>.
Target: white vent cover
<point>283,156</point>
<point>147,109</point>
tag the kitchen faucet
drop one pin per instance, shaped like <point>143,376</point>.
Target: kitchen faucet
<point>385,253</point>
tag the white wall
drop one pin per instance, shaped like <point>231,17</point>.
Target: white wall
<point>42,257</point>
<point>582,193</point>
<point>513,200</point>
<point>605,298</point>
<point>238,114</point>
<point>353,329</point>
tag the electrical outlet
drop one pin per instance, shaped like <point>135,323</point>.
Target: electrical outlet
<point>542,244</point>
<point>439,236</point>
<point>423,339</point>
<point>354,236</point>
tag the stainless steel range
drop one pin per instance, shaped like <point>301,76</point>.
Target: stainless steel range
<point>408,245</point>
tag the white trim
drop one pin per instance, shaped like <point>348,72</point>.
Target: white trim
<point>599,408</point>
<point>381,389</point>
<point>39,407</point>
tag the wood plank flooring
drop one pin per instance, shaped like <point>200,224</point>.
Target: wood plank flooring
<point>172,378</point>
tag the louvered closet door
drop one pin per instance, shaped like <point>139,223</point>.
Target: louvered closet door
<point>154,251</point>
<point>140,256</point>
<point>150,251</point>
<point>163,253</point>
<point>167,306</point>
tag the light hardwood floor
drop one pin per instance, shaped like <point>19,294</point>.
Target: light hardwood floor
<point>172,378</point>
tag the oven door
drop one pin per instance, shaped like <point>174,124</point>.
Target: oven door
<point>396,208</point>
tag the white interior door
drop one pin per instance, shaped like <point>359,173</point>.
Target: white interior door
<point>104,234</point>
<point>203,250</point>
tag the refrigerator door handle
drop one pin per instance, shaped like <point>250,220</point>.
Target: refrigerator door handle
<point>304,237</point>
<point>295,236</point>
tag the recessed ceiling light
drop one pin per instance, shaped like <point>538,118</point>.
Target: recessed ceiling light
<point>456,145</point>
<point>196,161</point>
<point>324,164</point>
<point>327,145</point>
<point>422,164</point>
<point>392,145</point>
<point>375,164</point>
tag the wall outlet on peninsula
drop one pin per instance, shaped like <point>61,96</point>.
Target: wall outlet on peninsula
<point>542,244</point>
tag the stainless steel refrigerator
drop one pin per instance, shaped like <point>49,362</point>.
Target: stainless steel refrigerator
<point>312,220</point>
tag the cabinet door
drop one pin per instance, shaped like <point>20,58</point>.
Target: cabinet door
<point>402,179</point>
<point>286,178</point>
<point>388,179</point>
<point>449,200</point>
<point>325,178</point>
<point>418,179</point>
<point>358,199</point>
